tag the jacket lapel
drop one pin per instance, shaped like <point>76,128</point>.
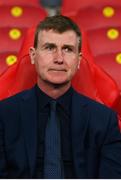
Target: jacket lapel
<point>29,116</point>
<point>79,127</point>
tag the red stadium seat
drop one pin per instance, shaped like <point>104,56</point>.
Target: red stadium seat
<point>105,40</point>
<point>20,2</point>
<point>92,17</point>
<point>97,3</point>
<point>70,7</point>
<point>106,52</point>
<point>7,60</point>
<point>11,38</point>
<point>109,63</point>
<point>100,21</point>
<point>15,18</point>
<point>20,16</point>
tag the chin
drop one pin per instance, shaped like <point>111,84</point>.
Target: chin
<point>57,82</point>
<point>60,83</point>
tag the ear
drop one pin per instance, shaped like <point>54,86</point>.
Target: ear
<point>32,54</point>
<point>80,57</point>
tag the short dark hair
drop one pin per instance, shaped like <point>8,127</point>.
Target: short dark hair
<point>59,24</point>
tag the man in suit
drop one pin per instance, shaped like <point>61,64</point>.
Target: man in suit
<point>88,143</point>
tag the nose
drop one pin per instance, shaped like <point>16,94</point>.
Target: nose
<point>58,56</point>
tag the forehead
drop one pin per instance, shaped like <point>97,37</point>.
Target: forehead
<point>67,37</point>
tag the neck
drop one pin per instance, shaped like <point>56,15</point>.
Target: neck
<point>54,90</point>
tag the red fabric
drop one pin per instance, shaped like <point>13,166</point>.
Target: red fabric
<point>94,82</point>
<point>101,51</point>
<point>20,76</point>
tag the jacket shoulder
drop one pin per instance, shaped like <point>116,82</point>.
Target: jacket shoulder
<point>91,103</point>
<point>11,103</point>
<point>99,115</point>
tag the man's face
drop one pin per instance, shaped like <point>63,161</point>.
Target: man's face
<point>56,57</point>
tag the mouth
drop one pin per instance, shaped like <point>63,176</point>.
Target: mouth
<point>58,70</point>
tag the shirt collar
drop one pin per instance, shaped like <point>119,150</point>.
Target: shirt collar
<point>64,100</point>
<point>42,98</point>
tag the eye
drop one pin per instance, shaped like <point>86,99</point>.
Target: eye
<point>50,47</point>
<point>68,49</point>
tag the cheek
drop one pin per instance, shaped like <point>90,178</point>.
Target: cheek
<point>73,65</point>
<point>40,62</point>
<point>38,65</point>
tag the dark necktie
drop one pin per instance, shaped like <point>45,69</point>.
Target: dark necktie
<point>53,168</point>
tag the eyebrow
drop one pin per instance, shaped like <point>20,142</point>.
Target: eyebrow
<point>49,44</point>
<point>68,46</point>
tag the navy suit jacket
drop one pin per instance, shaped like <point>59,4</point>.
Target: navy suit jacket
<point>96,140</point>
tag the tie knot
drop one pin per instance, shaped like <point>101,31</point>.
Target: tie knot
<point>53,105</point>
